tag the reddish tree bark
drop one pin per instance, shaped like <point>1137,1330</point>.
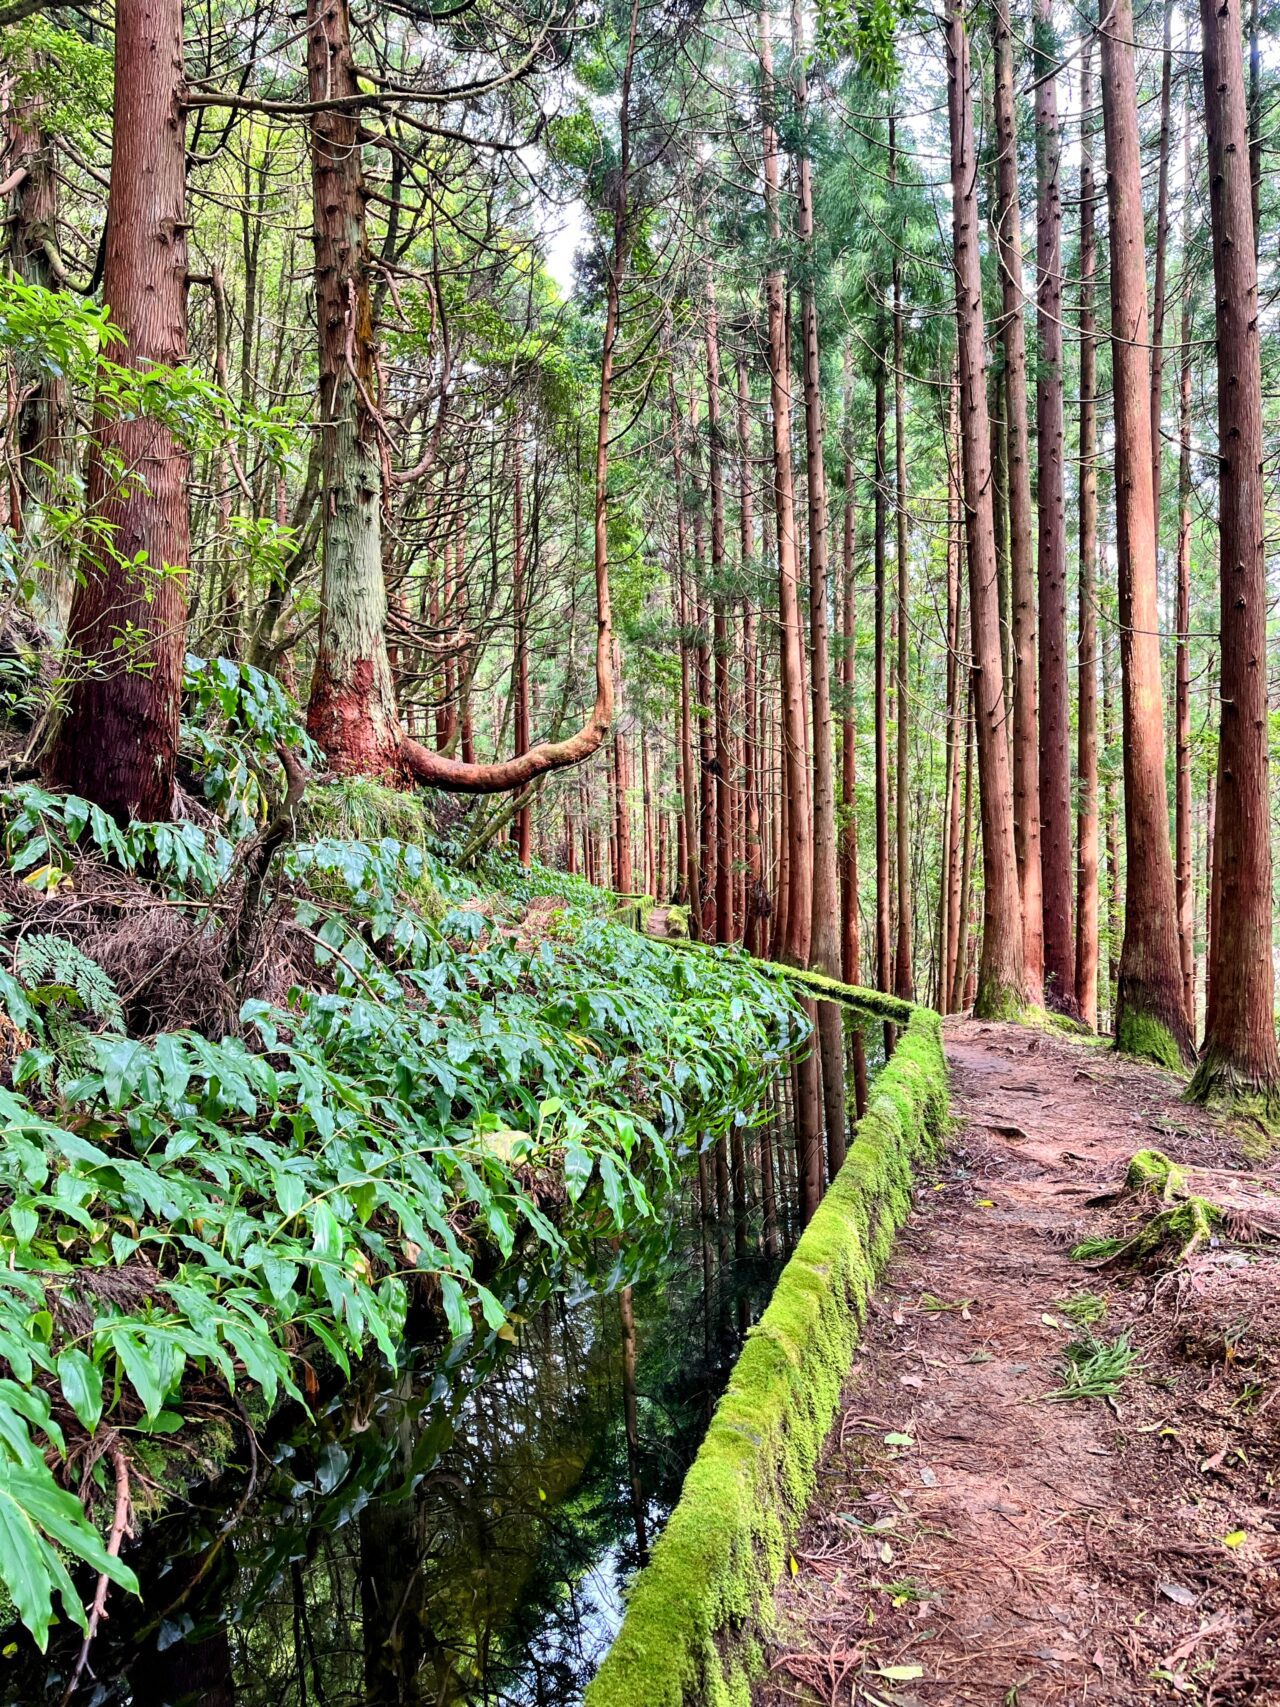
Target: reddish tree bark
<point>880,668</point>
<point>754,908</point>
<point>118,740</point>
<point>795,947</point>
<point>1182,656</point>
<point>723,750</point>
<point>824,945</point>
<point>1087,706</point>
<point>1022,590</point>
<point>1002,975</point>
<point>1161,267</point>
<point>904,954</point>
<point>1240,1061</point>
<point>1055,709</point>
<point>1150,1016</point>
<point>949,883</point>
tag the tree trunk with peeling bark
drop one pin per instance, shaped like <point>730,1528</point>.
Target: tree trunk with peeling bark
<point>352,711</point>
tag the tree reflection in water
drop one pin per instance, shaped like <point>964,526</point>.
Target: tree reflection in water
<point>462,1537</point>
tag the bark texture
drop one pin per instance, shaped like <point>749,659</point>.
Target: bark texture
<point>1002,984</point>
<point>1055,710</point>
<point>118,741</point>
<point>1022,592</point>
<point>1150,1016</point>
<point>1240,1059</point>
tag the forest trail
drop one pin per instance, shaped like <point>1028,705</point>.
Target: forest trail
<point>971,1542</point>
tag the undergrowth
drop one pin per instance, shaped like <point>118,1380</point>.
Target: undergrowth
<point>427,1113</point>
<point>1094,1368</point>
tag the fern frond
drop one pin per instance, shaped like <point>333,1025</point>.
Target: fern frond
<point>57,974</point>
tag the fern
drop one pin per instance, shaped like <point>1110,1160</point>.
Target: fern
<point>56,974</point>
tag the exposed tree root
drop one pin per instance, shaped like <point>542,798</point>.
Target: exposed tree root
<point>119,1529</point>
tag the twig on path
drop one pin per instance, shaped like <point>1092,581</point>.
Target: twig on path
<point>119,1529</point>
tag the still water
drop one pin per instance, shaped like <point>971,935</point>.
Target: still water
<point>461,1536</point>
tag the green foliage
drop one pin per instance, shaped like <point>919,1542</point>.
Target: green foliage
<point>1094,1368</point>
<point>44,833</point>
<point>237,717</point>
<point>1082,1308</point>
<point>183,1210</point>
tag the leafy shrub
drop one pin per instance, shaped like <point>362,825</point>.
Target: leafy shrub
<point>189,1210</point>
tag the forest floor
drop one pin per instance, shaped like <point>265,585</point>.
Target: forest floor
<point>972,1540</point>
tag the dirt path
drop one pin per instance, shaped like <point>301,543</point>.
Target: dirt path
<point>971,1542</point>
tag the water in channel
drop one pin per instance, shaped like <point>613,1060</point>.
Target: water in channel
<point>461,1535</point>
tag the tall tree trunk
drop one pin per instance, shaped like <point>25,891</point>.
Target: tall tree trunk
<point>689,788</point>
<point>1111,818</point>
<point>352,711</point>
<point>966,866</point>
<point>719,570</point>
<point>850,932</point>
<point>1150,1018</point>
<point>753,911</point>
<point>824,945</point>
<point>883,895</point>
<point>1002,976</point>
<point>1087,709</point>
<point>520,639</point>
<point>1162,255</point>
<point>1055,709</point>
<point>949,886</point>
<point>903,971</point>
<point>1240,1061</point>
<point>795,947</point>
<point>118,740</point>
<point>1026,759</point>
<point>1183,829</point>
<point>1255,118</point>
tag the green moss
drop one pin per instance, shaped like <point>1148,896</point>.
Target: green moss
<point>359,809</point>
<point>700,1612</point>
<point>1151,1170</point>
<point>877,1002</point>
<point>999,1002</point>
<point>1146,1038</point>
<point>1218,1084</point>
<point>678,922</point>
<point>1174,1233</point>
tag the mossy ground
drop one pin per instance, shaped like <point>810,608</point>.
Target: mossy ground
<point>701,1610</point>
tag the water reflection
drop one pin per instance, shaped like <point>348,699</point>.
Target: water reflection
<point>463,1537</point>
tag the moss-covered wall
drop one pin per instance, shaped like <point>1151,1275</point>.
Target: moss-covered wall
<point>700,1612</point>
